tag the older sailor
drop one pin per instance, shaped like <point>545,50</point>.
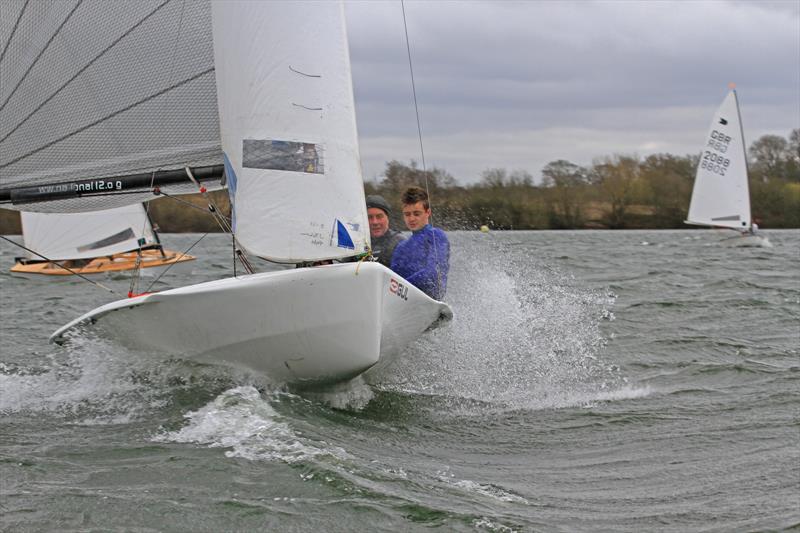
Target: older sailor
<point>384,240</point>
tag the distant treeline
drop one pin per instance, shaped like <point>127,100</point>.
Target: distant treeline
<point>615,192</point>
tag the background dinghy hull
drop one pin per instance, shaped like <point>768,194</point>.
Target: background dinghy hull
<point>302,326</point>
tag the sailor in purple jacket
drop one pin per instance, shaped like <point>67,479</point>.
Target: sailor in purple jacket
<point>424,258</point>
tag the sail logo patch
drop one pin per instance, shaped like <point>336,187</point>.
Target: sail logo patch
<point>343,237</point>
<point>395,287</point>
<point>291,156</point>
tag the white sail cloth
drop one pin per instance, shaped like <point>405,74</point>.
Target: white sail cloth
<point>288,129</point>
<point>61,236</point>
<point>97,88</point>
<point>721,195</point>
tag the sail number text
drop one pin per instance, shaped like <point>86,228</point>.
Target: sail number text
<point>719,141</point>
<point>714,163</point>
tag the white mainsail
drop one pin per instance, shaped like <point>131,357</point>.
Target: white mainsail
<point>288,129</point>
<point>63,236</point>
<point>721,195</point>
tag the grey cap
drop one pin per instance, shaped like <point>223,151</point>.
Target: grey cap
<point>376,200</point>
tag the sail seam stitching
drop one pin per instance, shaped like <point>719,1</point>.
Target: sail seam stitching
<point>111,115</point>
<point>81,71</point>
<point>13,31</point>
<point>41,53</point>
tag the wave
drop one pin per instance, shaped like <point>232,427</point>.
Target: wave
<point>241,420</point>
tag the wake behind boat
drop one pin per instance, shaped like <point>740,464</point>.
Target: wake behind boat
<point>721,194</point>
<point>285,133</point>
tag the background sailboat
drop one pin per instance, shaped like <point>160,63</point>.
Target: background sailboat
<point>721,194</point>
<point>98,242</point>
<point>271,99</point>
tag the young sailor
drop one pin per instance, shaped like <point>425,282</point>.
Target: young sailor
<point>423,259</point>
<point>384,239</point>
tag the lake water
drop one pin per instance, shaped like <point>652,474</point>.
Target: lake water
<point>593,380</point>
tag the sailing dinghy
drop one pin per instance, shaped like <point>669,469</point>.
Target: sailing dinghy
<point>99,242</point>
<point>277,76</point>
<point>721,194</point>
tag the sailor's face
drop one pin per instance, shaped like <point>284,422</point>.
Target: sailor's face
<point>416,216</point>
<point>378,221</point>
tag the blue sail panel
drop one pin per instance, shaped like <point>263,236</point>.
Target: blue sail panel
<point>230,176</point>
<point>343,237</point>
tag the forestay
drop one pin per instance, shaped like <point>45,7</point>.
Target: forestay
<point>94,89</point>
<point>288,129</point>
<point>60,236</point>
<point>721,195</point>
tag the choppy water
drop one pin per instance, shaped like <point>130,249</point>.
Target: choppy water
<point>621,381</point>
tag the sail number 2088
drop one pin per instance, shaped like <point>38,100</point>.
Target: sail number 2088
<point>714,163</point>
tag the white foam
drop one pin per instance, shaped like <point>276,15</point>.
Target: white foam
<point>485,523</point>
<point>84,377</point>
<point>524,334</point>
<point>240,419</point>
<point>489,491</point>
<point>585,399</point>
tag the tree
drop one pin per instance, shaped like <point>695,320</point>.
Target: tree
<point>793,163</point>
<point>497,178</point>
<point>667,180</point>
<point>769,155</point>
<point>794,145</point>
<point>493,178</point>
<point>618,178</point>
<point>399,177</point>
<point>565,197</point>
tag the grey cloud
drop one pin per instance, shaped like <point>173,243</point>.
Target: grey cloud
<point>519,67</point>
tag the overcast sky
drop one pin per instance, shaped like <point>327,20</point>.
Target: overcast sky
<point>516,85</point>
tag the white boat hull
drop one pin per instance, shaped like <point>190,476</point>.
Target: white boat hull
<point>303,326</point>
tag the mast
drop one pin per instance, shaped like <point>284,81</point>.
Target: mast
<point>746,163</point>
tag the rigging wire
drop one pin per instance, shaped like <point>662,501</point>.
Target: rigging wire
<point>57,264</point>
<point>224,224</point>
<point>414,91</point>
<point>175,262</point>
<point>136,271</point>
<point>419,133</point>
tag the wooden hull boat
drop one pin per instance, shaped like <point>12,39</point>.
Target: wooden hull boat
<point>150,258</point>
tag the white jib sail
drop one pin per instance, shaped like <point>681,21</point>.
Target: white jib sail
<point>86,235</point>
<point>721,195</point>
<point>288,128</point>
